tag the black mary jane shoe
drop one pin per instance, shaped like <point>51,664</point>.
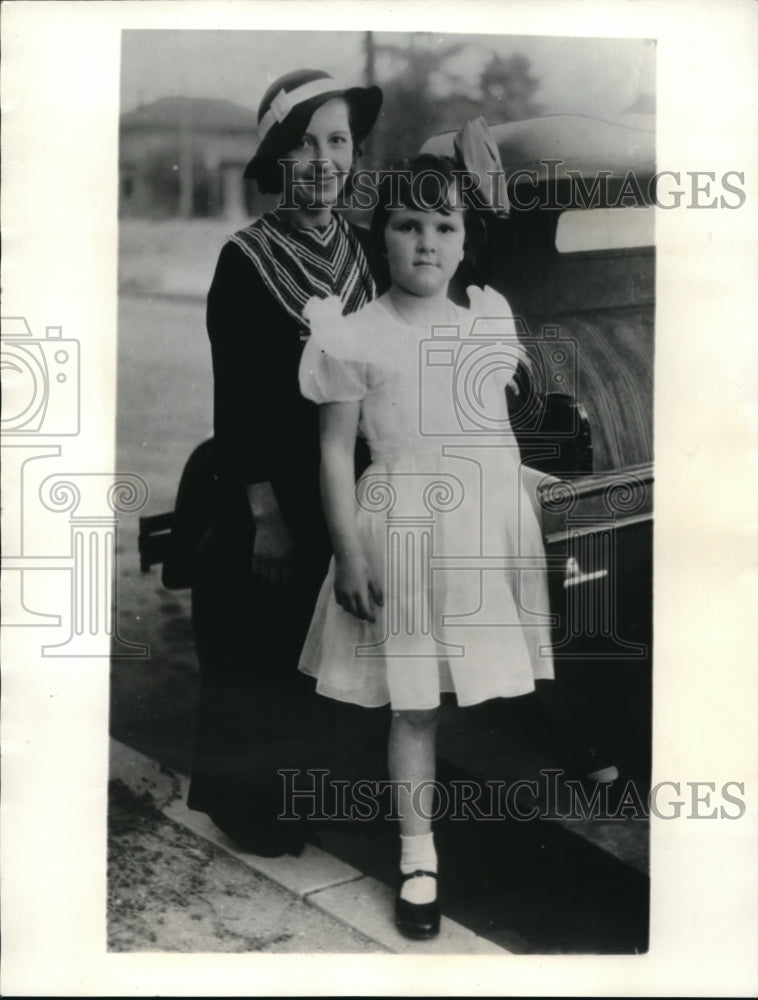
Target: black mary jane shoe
<point>417,920</point>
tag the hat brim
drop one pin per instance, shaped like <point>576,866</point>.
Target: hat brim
<point>365,104</point>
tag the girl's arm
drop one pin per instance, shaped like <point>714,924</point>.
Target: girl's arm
<point>356,587</point>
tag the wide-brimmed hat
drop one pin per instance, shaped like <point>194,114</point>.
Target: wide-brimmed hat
<point>289,103</point>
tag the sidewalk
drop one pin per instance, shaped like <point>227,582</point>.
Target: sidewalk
<point>176,883</point>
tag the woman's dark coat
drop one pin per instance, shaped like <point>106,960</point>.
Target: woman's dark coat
<point>257,715</point>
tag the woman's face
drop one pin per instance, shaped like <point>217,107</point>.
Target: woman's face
<point>424,249</point>
<point>323,157</point>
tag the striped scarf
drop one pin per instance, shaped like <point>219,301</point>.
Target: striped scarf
<point>298,263</point>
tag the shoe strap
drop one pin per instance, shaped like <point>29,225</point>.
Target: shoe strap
<point>417,874</point>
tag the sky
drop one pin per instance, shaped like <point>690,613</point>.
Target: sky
<point>598,76</point>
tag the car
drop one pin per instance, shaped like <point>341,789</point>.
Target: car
<point>576,260</point>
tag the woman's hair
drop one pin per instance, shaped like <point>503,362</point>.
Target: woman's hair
<point>270,174</point>
<point>425,183</point>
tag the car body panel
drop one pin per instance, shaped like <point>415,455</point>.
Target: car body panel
<point>582,143</point>
<point>587,319</point>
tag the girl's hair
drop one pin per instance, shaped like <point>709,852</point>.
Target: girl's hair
<point>424,183</point>
<point>270,175</point>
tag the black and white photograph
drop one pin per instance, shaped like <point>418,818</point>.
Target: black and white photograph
<point>527,803</point>
<point>333,451</point>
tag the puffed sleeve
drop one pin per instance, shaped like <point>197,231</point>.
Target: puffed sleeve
<point>333,368</point>
<point>492,317</point>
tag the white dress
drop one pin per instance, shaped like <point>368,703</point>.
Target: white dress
<point>445,511</point>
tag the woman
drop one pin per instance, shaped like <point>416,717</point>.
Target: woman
<point>261,564</point>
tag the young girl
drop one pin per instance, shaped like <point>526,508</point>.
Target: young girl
<point>437,581</point>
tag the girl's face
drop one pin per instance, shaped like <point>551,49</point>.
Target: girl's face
<point>323,157</point>
<point>424,249</point>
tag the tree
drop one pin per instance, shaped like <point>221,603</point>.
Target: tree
<point>507,89</point>
<point>411,110</point>
<point>423,94</point>
<point>504,92</point>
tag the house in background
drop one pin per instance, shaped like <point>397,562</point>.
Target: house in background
<point>184,157</point>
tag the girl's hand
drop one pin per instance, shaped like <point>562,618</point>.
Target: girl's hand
<point>356,588</point>
<point>273,552</point>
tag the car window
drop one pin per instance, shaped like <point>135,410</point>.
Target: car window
<point>583,230</point>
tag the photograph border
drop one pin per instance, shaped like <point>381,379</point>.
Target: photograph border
<point>60,85</point>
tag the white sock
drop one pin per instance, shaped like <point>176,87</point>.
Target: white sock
<point>418,853</point>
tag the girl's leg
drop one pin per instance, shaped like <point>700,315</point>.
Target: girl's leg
<point>412,770</point>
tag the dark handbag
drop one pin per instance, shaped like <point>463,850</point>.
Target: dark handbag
<point>174,538</point>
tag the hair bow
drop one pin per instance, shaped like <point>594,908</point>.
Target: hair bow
<point>477,153</point>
